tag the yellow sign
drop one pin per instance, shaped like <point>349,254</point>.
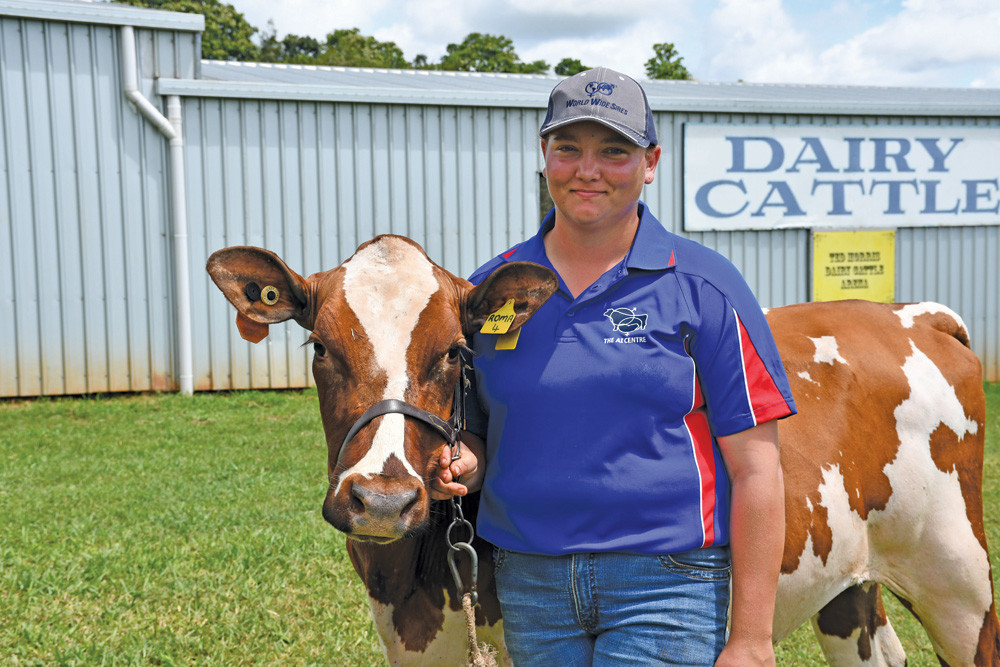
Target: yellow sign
<point>854,265</point>
<point>500,320</point>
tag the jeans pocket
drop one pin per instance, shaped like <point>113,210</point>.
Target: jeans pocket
<point>712,563</point>
<point>499,555</point>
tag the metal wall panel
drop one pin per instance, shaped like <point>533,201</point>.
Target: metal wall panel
<point>312,181</point>
<point>84,225</point>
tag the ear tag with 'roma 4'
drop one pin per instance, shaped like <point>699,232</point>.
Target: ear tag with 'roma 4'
<point>499,323</point>
<point>500,320</point>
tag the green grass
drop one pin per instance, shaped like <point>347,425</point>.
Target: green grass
<point>172,530</point>
<point>186,530</point>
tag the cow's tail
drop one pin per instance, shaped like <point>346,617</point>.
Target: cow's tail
<point>938,316</point>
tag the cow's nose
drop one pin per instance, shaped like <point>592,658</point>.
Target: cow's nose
<point>381,506</point>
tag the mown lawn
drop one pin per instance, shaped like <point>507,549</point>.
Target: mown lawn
<point>186,530</point>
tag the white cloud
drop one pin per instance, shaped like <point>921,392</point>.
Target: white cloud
<point>925,43</point>
<point>756,40</point>
<point>878,42</point>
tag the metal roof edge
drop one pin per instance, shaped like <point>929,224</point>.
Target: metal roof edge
<point>329,93</point>
<point>852,108</point>
<point>102,13</point>
<point>378,95</point>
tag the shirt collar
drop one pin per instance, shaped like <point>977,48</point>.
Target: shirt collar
<point>653,247</point>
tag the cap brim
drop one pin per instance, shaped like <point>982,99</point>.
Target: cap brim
<point>624,131</point>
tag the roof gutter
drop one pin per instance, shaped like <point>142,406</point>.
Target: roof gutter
<point>170,127</point>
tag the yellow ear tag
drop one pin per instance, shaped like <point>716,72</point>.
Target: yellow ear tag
<point>508,341</point>
<point>499,321</point>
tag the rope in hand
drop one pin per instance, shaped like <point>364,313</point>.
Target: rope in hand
<point>480,654</point>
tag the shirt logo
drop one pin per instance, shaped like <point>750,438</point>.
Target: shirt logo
<point>625,320</point>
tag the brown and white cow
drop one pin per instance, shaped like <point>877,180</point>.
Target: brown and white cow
<point>882,466</point>
<point>883,481</point>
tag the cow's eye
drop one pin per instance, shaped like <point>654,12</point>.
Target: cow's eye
<point>319,350</point>
<point>453,352</point>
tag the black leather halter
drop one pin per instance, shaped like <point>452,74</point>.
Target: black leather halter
<point>449,430</point>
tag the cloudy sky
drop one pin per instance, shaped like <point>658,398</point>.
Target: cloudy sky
<point>951,43</point>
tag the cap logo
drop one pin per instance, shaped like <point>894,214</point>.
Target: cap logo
<point>595,87</point>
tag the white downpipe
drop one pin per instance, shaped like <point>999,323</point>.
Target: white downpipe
<point>178,197</point>
<point>170,128</point>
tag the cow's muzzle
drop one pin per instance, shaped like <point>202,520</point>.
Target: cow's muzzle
<point>378,508</point>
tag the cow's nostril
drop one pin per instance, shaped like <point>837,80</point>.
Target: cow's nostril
<point>413,496</point>
<point>357,499</point>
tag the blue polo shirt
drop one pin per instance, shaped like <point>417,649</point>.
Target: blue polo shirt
<point>602,420</point>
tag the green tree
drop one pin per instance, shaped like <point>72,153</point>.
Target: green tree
<point>227,35</point>
<point>349,48</point>
<point>300,50</point>
<point>488,53</point>
<point>666,64</point>
<point>569,67</point>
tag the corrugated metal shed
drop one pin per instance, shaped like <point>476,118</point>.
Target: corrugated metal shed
<point>310,162</point>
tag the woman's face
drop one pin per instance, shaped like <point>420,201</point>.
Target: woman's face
<point>595,175</point>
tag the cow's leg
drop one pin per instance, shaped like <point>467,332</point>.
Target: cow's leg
<point>853,629</point>
<point>960,635</point>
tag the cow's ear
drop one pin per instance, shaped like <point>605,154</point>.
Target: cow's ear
<point>262,287</point>
<point>529,285</point>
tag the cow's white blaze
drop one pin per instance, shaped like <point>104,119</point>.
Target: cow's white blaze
<point>388,309</point>
<point>827,351</point>
<point>908,313</point>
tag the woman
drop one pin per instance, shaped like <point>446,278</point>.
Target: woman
<point>631,448</point>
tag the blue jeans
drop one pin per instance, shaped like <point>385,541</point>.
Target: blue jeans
<point>614,608</point>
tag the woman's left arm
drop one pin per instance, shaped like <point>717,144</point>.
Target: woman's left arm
<point>757,537</point>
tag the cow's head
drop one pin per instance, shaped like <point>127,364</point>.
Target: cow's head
<point>386,324</point>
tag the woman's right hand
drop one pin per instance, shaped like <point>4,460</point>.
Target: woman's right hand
<point>446,482</point>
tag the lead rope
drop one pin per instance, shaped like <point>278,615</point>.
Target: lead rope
<point>480,654</point>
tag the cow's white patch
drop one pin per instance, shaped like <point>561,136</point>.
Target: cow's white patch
<point>806,590</point>
<point>808,378</point>
<point>449,646</point>
<point>931,553</point>
<point>827,351</point>
<point>388,309</point>
<point>908,313</point>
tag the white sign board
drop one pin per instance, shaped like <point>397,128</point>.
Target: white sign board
<point>739,177</point>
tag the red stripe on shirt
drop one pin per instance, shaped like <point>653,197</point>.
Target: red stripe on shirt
<point>704,457</point>
<point>766,400</point>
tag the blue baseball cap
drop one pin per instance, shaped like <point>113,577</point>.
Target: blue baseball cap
<point>604,96</point>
